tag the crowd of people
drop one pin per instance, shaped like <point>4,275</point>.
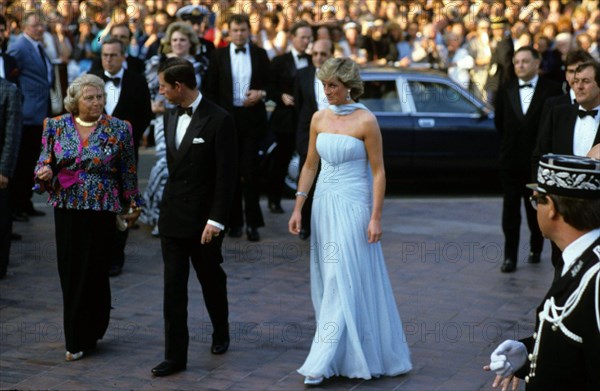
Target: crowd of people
<point>206,81</point>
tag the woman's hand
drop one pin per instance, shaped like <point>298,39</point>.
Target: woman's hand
<point>374,231</point>
<point>44,173</point>
<point>295,223</point>
<point>132,216</point>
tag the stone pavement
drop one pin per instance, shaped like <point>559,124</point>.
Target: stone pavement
<point>443,256</point>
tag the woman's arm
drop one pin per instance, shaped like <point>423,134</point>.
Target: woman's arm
<point>307,175</point>
<point>373,145</point>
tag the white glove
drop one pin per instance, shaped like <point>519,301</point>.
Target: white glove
<point>508,357</point>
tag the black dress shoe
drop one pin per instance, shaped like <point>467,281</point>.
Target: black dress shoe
<point>20,217</point>
<point>167,368</point>
<point>275,207</point>
<point>508,266</point>
<point>252,234</point>
<point>235,232</point>
<point>15,237</point>
<point>115,270</point>
<point>534,258</point>
<point>219,346</point>
<point>304,234</point>
<point>35,213</point>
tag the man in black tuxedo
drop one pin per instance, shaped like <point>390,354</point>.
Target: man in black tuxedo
<point>127,98</point>
<point>237,80</point>
<point>564,351</point>
<point>200,138</point>
<point>123,34</point>
<point>501,70</point>
<point>8,64</point>
<point>519,106</point>
<point>284,69</point>
<point>309,97</point>
<point>573,60</point>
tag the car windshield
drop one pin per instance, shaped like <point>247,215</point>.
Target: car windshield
<point>432,97</point>
<point>381,95</point>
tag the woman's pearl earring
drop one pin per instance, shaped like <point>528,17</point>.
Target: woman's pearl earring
<point>348,96</point>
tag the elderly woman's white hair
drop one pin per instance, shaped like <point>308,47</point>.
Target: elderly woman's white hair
<point>76,89</point>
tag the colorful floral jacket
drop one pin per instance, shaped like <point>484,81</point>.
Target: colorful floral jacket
<point>96,174</point>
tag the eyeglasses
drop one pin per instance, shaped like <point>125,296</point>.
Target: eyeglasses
<point>536,199</point>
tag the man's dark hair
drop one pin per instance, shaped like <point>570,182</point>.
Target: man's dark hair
<point>578,55</point>
<point>581,214</point>
<point>122,25</point>
<point>111,40</point>
<point>176,69</point>
<point>594,65</point>
<point>530,49</point>
<point>238,19</point>
<point>298,25</point>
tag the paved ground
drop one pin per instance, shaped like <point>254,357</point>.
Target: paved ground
<point>443,256</point>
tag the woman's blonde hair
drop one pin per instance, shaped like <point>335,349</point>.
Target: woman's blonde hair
<point>346,71</point>
<point>184,29</point>
<point>76,89</point>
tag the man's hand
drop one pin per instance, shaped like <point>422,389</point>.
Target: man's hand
<point>287,99</point>
<point>210,232</point>
<point>508,357</point>
<point>252,97</point>
<point>44,173</point>
<point>3,182</point>
<point>594,153</point>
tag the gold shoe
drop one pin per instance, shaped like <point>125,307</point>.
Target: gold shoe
<point>73,356</point>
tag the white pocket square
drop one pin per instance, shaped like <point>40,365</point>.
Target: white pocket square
<point>198,140</point>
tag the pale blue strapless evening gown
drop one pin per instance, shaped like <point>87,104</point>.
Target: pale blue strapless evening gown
<point>359,332</point>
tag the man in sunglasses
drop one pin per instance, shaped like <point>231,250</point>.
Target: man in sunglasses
<point>564,352</point>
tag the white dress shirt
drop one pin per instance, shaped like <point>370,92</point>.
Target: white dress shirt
<point>2,75</point>
<point>585,132</point>
<point>526,94</point>
<point>241,74</point>
<point>112,92</point>
<point>300,62</point>
<point>322,102</point>
<point>574,250</point>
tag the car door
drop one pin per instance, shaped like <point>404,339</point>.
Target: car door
<point>452,130</point>
<point>381,97</point>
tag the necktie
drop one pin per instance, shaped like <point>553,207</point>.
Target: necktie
<point>184,110</point>
<point>242,49</point>
<point>43,55</point>
<point>303,56</point>
<point>115,80</point>
<point>584,113</point>
<point>527,85</point>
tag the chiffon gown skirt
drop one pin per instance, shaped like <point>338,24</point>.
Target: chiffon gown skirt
<point>359,332</point>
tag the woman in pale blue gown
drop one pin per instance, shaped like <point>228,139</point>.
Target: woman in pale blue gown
<point>358,331</point>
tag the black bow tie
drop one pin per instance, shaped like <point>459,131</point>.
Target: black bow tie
<point>184,110</point>
<point>303,56</point>
<point>584,113</point>
<point>527,85</point>
<point>115,80</point>
<point>242,49</point>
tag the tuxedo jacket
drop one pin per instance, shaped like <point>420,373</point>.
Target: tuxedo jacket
<point>134,102</point>
<point>33,81</point>
<point>305,105</point>
<point>282,77</point>
<point>202,172</point>
<point>10,127</point>
<point>518,131</point>
<point>11,70</point>
<point>218,85</point>
<point>556,133</point>
<point>562,363</point>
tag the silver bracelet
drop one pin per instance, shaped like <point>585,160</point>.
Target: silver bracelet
<point>301,193</point>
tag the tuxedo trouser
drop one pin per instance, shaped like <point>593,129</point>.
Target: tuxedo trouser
<point>29,152</point>
<point>307,207</point>
<point>83,245</point>
<point>286,144</point>
<point>206,260</point>
<point>5,229</point>
<point>247,194</point>
<point>513,184</point>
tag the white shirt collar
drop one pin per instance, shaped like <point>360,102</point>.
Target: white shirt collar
<point>119,74</point>
<point>295,53</point>
<point>233,46</point>
<point>533,81</point>
<point>33,41</point>
<point>572,95</point>
<point>574,250</point>
<point>593,108</point>
<point>196,102</point>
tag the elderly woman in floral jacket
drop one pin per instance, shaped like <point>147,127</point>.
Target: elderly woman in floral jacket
<point>87,166</point>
